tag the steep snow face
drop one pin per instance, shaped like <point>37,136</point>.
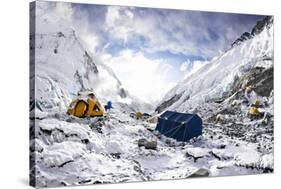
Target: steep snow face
<point>63,66</point>
<point>215,79</point>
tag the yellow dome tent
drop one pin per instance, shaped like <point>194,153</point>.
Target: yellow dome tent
<point>81,108</point>
<point>248,89</point>
<point>254,111</point>
<point>138,115</point>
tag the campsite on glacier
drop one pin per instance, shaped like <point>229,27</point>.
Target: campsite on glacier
<point>232,93</point>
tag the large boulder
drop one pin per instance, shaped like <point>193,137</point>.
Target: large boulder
<point>161,107</point>
<point>202,172</point>
<point>150,145</point>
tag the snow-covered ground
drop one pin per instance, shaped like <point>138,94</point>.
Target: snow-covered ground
<point>75,151</point>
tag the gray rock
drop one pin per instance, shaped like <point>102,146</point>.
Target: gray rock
<point>123,93</point>
<point>116,155</point>
<point>266,22</point>
<point>152,145</point>
<point>202,172</point>
<point>258,28</point>
<point>97,126</point>
<point>168,103</point>
<point>141,142</point>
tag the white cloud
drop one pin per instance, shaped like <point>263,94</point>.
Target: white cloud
<point>162,32</point>
<point>118,22</point>
<point>112,15</point>
<point>200,34</point>
<point>90,41</point>
<point>144,78</point>
<point>129,14</point>
<point>64,9</point>
<point>192,67</point>
<point>184,66</point>
<point>53,14</point>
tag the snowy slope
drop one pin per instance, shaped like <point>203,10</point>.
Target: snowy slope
<point>215,79</point>
<point>64,67</point>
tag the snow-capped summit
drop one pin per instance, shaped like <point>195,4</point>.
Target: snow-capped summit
<point>257,29</point>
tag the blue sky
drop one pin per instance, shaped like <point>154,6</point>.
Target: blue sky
<point>169,41</point>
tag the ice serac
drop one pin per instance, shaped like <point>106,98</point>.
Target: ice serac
<point>64,66</point>
<point>216,79</point>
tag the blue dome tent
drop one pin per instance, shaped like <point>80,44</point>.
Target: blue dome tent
<point>180,126</point>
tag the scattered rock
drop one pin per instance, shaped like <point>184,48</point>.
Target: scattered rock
<point>197,153</point>
<point>46,131</point>
<point>116,155</point>
<point>85,181</point>
<point>97,182</point>
<point>141,142</point>
<point>168,103</point>
<point>152,145</point>
<point>64,163</point>
<point>97,126</point>
<point>63,183</point>
<point>202,172</point>
<point>60,34</point>
<point>85,141</point>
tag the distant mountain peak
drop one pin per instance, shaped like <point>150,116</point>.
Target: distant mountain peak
<point>257,29</point>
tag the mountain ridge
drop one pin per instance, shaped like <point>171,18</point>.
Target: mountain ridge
<point>255,51</point>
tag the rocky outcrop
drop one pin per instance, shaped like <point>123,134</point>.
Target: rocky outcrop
<point>259,78</point>
<point>245,36</point>
<point>257,29</point>
<point>168,103</point>
<point>260,25</point>
<point>150,145</point>
<point>202,172</point>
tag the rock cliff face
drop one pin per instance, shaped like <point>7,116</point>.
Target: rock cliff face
<point>257,29</point>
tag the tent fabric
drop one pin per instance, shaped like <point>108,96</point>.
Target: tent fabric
<point>180,126</point>
<point>83,108</point>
